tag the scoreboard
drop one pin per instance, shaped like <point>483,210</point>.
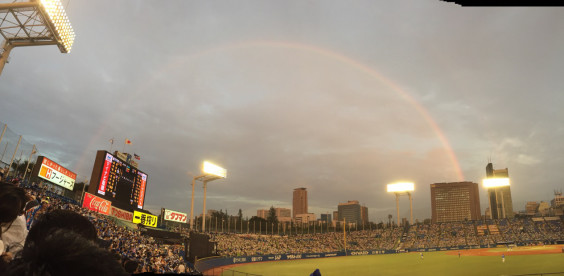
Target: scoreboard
<point>114,179</point>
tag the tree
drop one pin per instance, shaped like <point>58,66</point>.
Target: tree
<point>271,217</point>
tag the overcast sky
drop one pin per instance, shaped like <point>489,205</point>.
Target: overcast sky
<point>339,97</point>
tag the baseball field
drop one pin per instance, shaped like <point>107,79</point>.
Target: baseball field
<point>518,261</point>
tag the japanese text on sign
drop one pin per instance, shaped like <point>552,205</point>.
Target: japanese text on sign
<point>145,219</point>
<point>175,216</point>
<point>56,174</point>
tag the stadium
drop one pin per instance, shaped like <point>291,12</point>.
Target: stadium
<point>334,98</point>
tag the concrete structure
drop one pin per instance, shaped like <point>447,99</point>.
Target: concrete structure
<point>299,202</point>
<point>558,200</point>
<point>455,201</point>
<point>283,214</point>
<point>350,211</point>
<point>326,218</point>
<point>364,214</point>
<point>544,208</point>
<point>262,213</point>
<point>304,218</point>
<point>501,204</point>
<point>531,208</point>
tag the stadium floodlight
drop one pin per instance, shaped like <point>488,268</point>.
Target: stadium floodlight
<point>210,172</point>
<point>401,188</point>
<point>210,168</point>
<point>495,182</point>
<point>34,23</point>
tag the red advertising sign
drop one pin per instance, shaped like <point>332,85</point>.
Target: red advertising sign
<point>97,204</point>
<point>121,214</point>
<point>105,174</point>
<point>142,190</point>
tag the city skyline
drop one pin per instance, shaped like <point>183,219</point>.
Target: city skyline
<point>339,98</point>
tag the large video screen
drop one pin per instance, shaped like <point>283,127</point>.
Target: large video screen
<point>118,181</point>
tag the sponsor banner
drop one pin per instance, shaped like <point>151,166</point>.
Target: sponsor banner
<point>105,174</point>
<point>97,204</point>
<point>174,216</point>
<point>121,214</point>
<point>56,174</point>
<point>145,219</point>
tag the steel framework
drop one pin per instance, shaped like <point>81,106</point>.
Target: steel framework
<point>34,23</point>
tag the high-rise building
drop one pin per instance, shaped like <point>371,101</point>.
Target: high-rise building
<point>350,211</point>
<point>364,214</point>
<point>336,215</point>
<point>262,213</point>
<point>299,202</point>
<point>326,218</point>
<point>531,208</point>
<point>501,204</point>
<point>283,214</point>
<point>456,201</point>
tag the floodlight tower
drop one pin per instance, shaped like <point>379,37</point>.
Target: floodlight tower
<point>34,23</point>
<point>210,172</point>
<point>402,188</point>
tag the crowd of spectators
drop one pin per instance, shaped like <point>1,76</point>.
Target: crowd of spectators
<point>132,250</point>
<point>419,236</point>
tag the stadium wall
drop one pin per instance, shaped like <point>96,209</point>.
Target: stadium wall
<point>213,262</point>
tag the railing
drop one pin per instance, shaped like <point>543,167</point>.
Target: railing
<point>219,271</point>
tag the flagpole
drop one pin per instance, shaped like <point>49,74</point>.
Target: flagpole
<point>111,144</point>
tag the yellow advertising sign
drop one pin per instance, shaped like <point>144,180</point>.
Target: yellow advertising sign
<point>145,219</point>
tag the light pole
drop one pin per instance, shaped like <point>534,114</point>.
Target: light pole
<point>210,172</point>
<point>34,23</point>
<point>402,188</point>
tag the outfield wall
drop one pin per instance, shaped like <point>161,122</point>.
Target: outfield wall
<point>212,262</point>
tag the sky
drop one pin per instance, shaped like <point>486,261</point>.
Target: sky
<point>338,97</point>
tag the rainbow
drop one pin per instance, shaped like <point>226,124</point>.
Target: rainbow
<point>335,56</point>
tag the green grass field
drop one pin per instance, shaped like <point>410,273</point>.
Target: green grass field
<point>434,263</point>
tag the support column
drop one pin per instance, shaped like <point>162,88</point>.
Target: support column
<point>192,205</point>
<point>204,212</point>
<point>397,208</point>
<point>410,208</point>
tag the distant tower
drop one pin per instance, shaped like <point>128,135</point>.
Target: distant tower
<point>299,203</point>
<point>501,204</point>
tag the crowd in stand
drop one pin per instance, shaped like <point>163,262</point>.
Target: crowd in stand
<point>133,251</point>
<point>415,237</point>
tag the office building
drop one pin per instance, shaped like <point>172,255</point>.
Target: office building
<point>456,201</point>
<point>262,213</point>
<point>501,204</point>
<point>350,211</point>
<point>299,202</point>
<point>326,218</point>
<point>336,215</point>
<point>283,214</point>
<point>304,218</point>
<point>364,214</point>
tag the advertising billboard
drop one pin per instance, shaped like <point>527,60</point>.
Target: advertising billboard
<point>116,180</point>
<point>54,173</point>
<point>121,214</point>
<point>145,219</point>
<point>174,216</point>
<point>97,204</point>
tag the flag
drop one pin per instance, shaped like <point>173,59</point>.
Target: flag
<point>136,156</point>
<point>127,142</point>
